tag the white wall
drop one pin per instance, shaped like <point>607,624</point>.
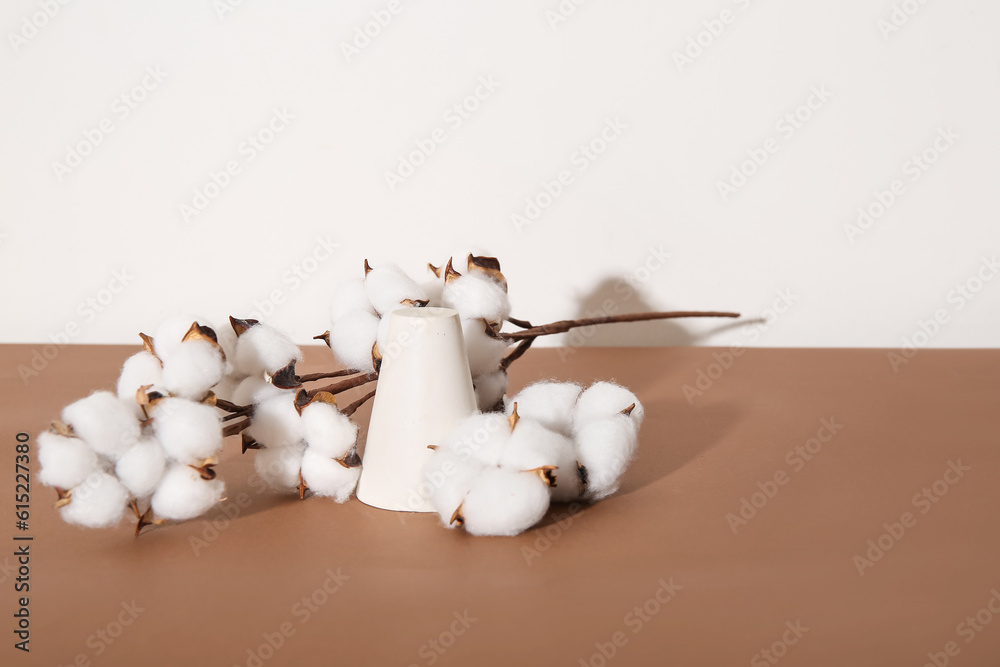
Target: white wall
<point>653,190</point>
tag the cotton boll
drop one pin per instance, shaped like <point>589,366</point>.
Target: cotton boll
<point>170,334</point>
<point>605,448</point>
<point>183,494</point>
<point>193,368</point>
<point>98,502</point>
<point>551,403</point>
<point>504,502</point>
<point>226,338</point>
<point>280,466</point>
<point>227,387</point>
<point>327,431</point>
<point>484,352</point>
<point>448,477</point>
<point>532,446</point>
<point>605,399</point>
<point>104,422</point>
<point>490,389</point>
<point>65,462</point>
<point>480,437</point>
<point>264,349</point>
<point>325,477</point>
<point>476,297</point>
<point>276,423</point>
<point>351,297</point>
<point>387,286</point>
<point>141,467</point>
<point>352,338</point>
<point>189,432</point>
<point>254,389</point>
<point>138,370</point>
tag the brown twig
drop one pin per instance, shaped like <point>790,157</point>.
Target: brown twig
<point>353,407</point>
<point>521,348</point>
<point>310,377</point>
<point>563,326</point>
<point>344,385</point>
<point>235,428</point>
<point>524,324</point>
<point>229,407</point>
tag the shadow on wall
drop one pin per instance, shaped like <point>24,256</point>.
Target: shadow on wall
<point>613,296</point>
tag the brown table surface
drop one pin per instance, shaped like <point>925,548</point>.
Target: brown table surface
<point>562,592</point>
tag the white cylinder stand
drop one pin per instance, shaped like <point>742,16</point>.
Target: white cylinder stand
<point>424,389</point>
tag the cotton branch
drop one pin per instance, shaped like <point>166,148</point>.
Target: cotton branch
<point>563,326</point>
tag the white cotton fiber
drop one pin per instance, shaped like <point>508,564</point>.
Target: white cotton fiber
<point>605,399</point>
<point>280,467</point>
<point>226,389</point>
<point>531,446</point>
<point>276,423</point>
<point>98,502</point>
<point>189,432</point>
<point>141,467</point>
<point>476,297</point>
<point>504,502</point>
<point>327,431</point>
<point>194,367</point>
<point>183,494</point>
<point>171,332</point>
<point>484,352</point>
<point>254,389</point>
<point>65,462</point>
<point>226,337</point>
<point>550,403</point>
<point>138,370</point>
<point>387,286</point>
<point>480,437</point>
<point>351,297</point>
<point>325,477</point>
<point>490,389</point>
<point>104,422</point>
<point>352,338</point>
<point>605,448</point>
<point>448,478</point>
<point>264,349</point>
